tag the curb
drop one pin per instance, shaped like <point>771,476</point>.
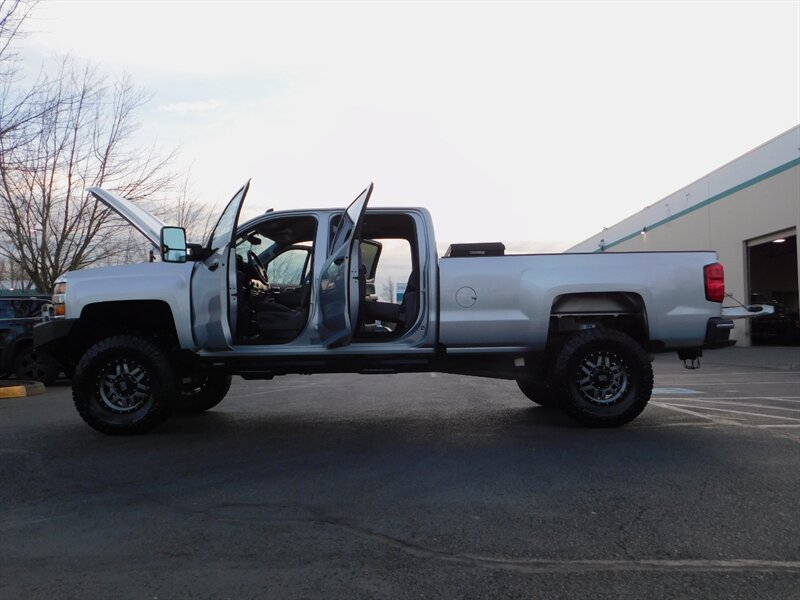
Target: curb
<point>20,389</point>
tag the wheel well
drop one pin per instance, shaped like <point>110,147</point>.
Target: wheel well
<point>623,311</point>
<point>9,355</point>
<point>150,318</point>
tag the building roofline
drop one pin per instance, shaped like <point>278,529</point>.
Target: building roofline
<point>597,239</point>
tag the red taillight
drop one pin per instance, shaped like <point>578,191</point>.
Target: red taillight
<point>715,282</point>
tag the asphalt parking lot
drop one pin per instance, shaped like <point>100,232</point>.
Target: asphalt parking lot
<point>411,486</point>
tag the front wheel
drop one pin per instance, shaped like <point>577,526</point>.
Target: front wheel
<point>35,365</point>
<point>603,377</point>
<point>200,394</point>
<point>124,384</point>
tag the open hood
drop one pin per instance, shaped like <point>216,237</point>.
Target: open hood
<point>149,225</point>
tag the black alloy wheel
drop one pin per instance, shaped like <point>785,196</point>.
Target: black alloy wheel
<point>603,377</point>
<point>33,365</point>
<point>124,384</point>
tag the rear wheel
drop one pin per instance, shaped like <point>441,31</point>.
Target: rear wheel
<point>200,394</point>
<point>603,377</point>
<point>34,365</point>
<point>538,392</point>
<point>124,384</point>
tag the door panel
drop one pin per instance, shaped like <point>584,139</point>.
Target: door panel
<point>339,282</point>
<point>214,286</point>
<point>211,307</point>
<point>334,326</point>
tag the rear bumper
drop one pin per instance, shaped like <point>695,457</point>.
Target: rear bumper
<point>718,332</point>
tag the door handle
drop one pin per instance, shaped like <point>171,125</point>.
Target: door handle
<point>213,266</point>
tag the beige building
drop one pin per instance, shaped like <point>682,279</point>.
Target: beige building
<point>747,210</point>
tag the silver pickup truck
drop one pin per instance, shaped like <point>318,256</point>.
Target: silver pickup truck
<point>293,292</point>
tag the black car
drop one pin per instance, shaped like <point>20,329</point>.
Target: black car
<point>18,315</point>
<point>781,328</point>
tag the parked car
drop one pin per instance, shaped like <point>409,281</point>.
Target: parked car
<point>782,327</point>
<point>18,315</point>
<point>289,292</point>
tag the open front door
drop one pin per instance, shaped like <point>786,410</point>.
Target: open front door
<point>214,287</point>
<point>338,285</point>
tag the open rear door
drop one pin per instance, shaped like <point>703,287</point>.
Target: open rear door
<point>338,285</point>
<point>214,287</point>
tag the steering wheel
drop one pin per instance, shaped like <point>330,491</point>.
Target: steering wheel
<point>258,267</point>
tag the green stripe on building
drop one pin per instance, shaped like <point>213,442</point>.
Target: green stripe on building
<point>711,200</point>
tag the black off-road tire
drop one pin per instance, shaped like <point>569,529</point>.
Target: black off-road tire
<point>538,392</point>
<point>203,393</point>
<point>34,365</point>
<point>124,384</point>
<point>602,377</point>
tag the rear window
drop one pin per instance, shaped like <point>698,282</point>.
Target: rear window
<point>20,308</point>
<point>6,310</point>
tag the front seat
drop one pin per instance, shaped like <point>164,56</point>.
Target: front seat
<point>410,304</point>
<point>279,323</point>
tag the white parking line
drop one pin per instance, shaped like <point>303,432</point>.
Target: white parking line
<point>793,399</point>
<point>737,412</point>
<point>701,383</point>
<point>728,374</point>
<point>713,418</point>
<point>783,398</point>
<point>269,390</point>
<point>731,401</point>
<point>664,425</point>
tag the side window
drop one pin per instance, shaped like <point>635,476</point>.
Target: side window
<point>288,268</point>
<point>370,251</point>
<point>222,233</point>
<point>23,308</point>
<point>6,310</point>
<point>335,222</point>
<point>394,268</point>
<point>247,244</point>
<point>20,308</point>
<point>271,238</point>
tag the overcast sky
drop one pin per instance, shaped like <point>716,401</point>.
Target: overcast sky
<point>535,124</point>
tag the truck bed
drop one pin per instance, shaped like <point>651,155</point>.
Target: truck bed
<point>508,301</point>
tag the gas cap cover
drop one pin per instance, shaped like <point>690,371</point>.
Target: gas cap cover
<point>466,297</point>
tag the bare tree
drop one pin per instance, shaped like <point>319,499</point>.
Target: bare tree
<point>13,14</point>
<point>59,136</point>
<point>20,106</point>
<point>52,225</point>
<point>11,277</point>
<point>183,209</point>
<point>175,207</point>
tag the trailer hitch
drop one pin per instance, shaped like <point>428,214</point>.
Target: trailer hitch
<point>690,358</point>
